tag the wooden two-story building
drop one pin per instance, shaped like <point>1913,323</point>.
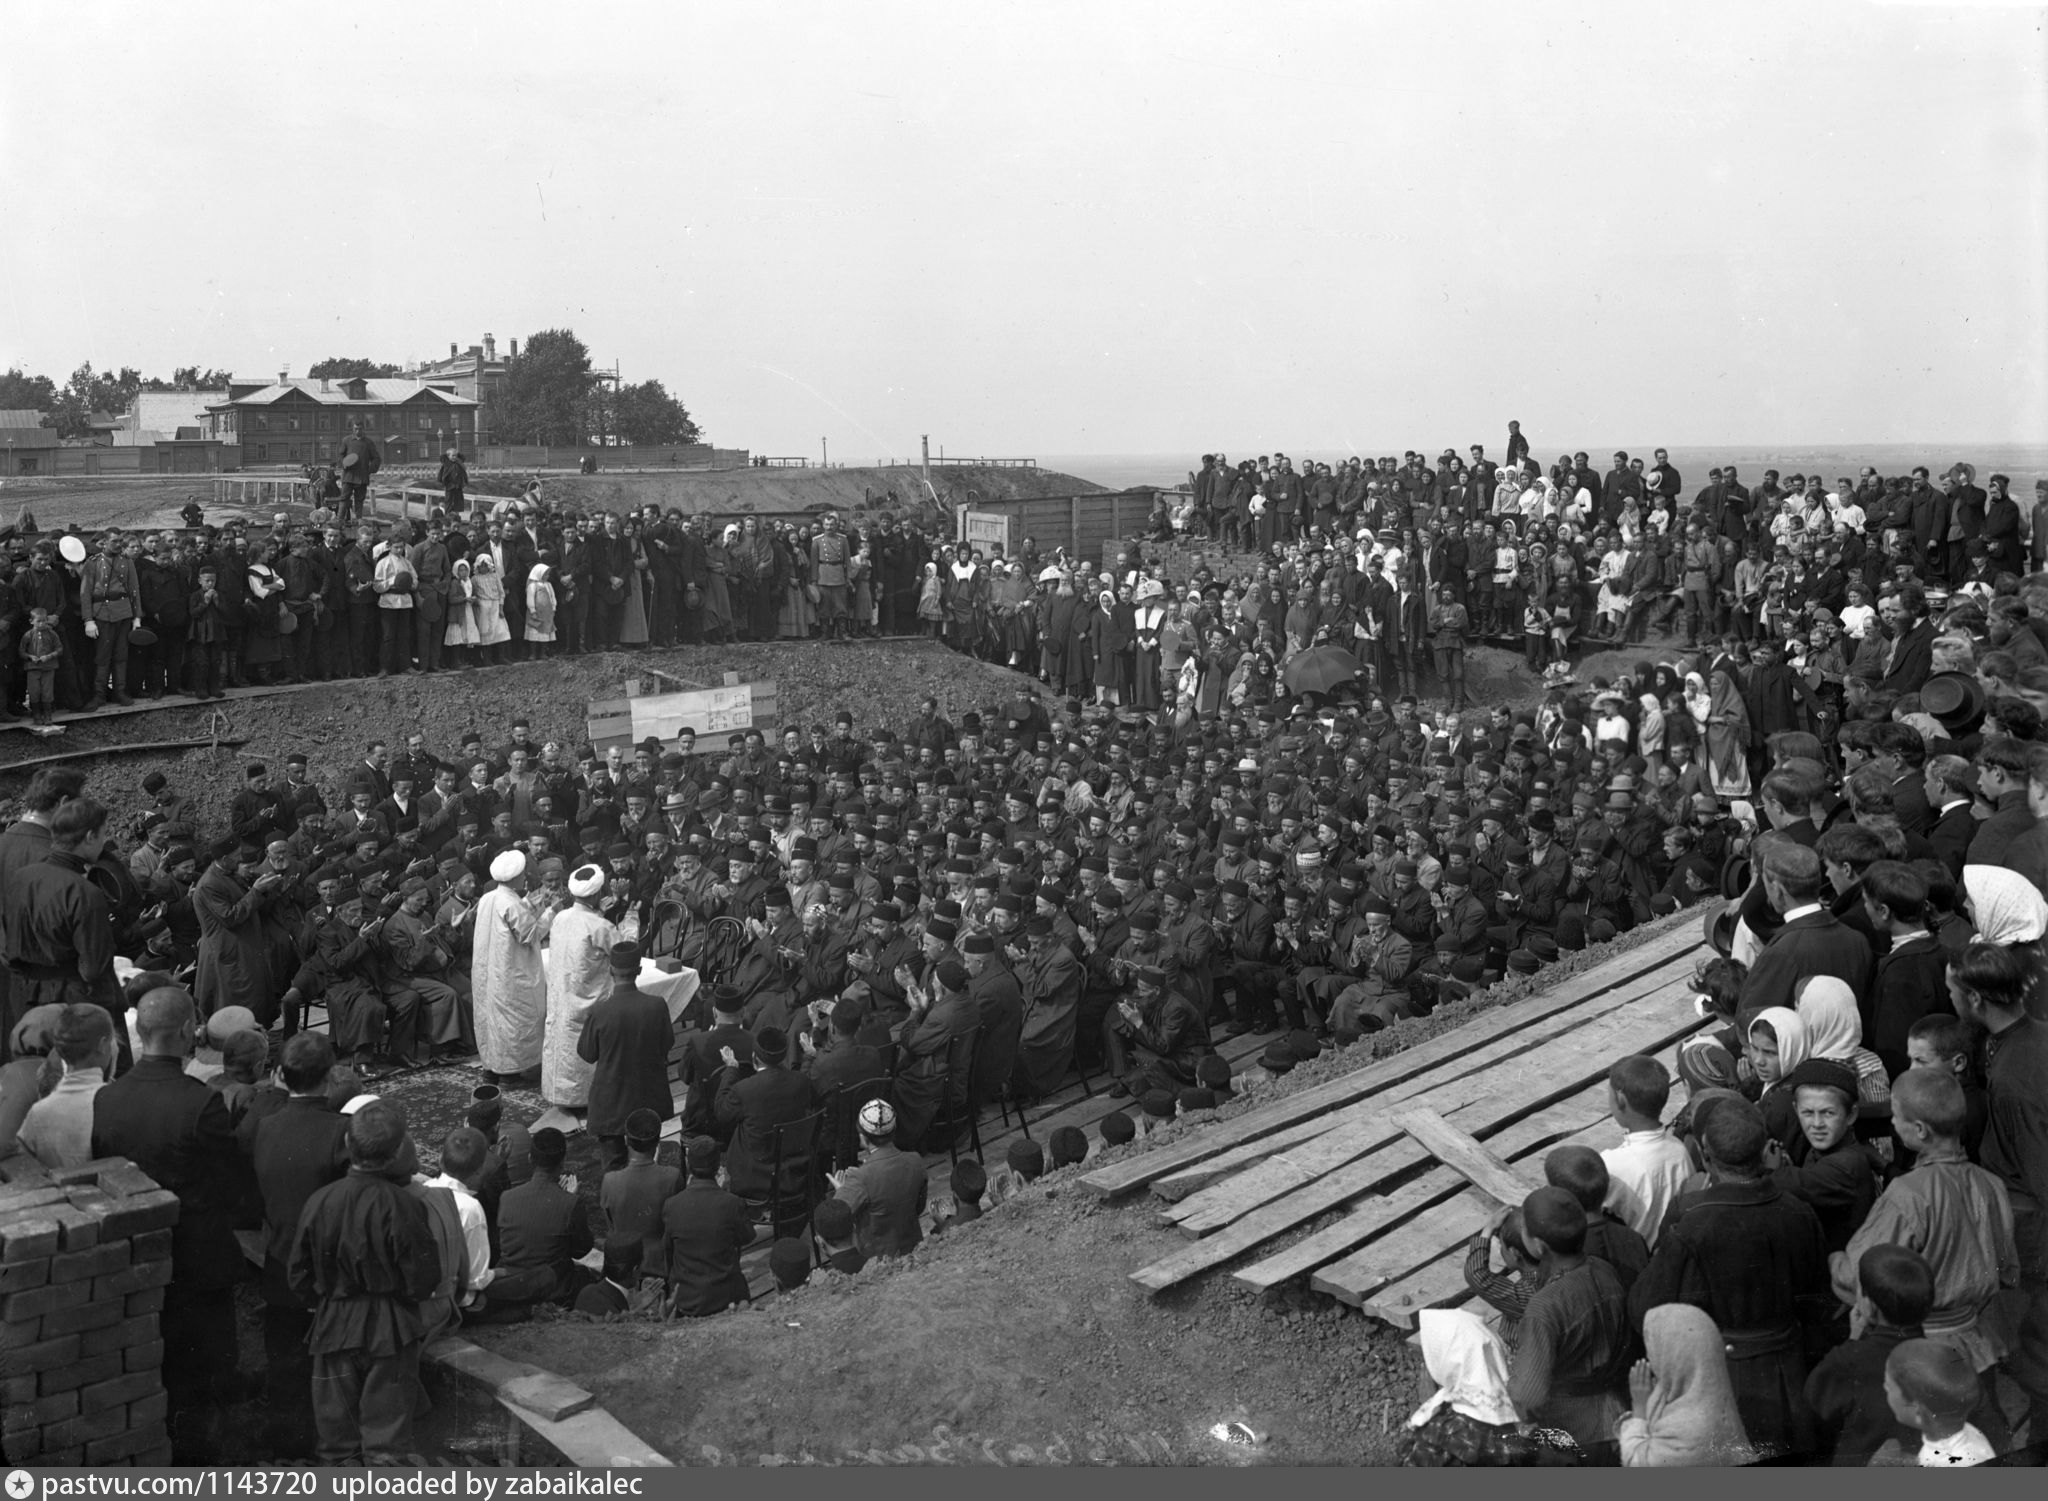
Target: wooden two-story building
<point>304,421</point>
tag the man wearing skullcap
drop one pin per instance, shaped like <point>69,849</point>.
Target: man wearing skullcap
<point>508,977</point>
<point>1050,978</point>
<point>704,1230</point>
<point>235,952</point>
<point>1158,1028</point>
<point>934,1053</point>
<point>887,1191</point>
<point>998,1003</point>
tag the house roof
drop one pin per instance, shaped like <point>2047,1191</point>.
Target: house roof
<point>20,417</point>
<point>381,393</point>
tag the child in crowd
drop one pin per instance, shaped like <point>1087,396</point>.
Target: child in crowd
<point>1846,1388</point>
<point>1932,1390</point>
<point>41,650</point>
<point>1950,1045</point>
<point>832,1223</point>
<point>1024,1165</point>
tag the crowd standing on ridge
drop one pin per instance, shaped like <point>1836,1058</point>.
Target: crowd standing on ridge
<point>1837,1248</point>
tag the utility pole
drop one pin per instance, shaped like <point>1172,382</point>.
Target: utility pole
<point>825,449</point>
<point>926,464</point>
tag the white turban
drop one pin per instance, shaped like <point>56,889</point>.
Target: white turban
<point>586,880</point>
<point>509,866</point>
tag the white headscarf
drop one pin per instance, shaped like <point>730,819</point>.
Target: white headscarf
<point>2004,905</point>
<point>1827,1010</point>
<point>1469,1365</point>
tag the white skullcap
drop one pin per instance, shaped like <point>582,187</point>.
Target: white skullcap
<point>585,880</point>
<point>509,866</point>
<point>877,1119</point>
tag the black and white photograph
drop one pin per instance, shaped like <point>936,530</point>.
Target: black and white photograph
<point>1192,735</point>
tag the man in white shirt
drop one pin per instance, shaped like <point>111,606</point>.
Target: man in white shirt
<point>1646,1172</point>
<point>464,1156</point>
<point>58,1127</point>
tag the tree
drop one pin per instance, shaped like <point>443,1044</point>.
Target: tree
<point>646,413</point>
<point>88,392</point>
<point>27,393</point>
<point>352,369</point>
<point>547,390</point>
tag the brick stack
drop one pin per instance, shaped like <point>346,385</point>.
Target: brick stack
<point>85,1255</point>
<point>1181,559</point>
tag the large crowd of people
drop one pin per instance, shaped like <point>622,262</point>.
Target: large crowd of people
<point>1836,1249</point>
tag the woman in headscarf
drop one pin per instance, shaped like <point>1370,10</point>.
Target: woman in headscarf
<point>1773,1045</point>
<point>1682,1404</point>
<point>798,619</point>
<point>1727,736</point>
<point>1470,1420</point>
<point>488,594</point>
<point>460,635</point>
<point>1148,620</point>
<point>1301,621</point>
<point>717,606</point>
<point>633,622</point>
<point>1834,1029</point>
<point>1114,629</point>
<point>2007,910</point>
<point>540,606</point>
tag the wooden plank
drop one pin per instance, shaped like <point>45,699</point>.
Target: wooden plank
<point>1534,1079</point>
<point>547,1395</point>
<point>1332,1172</point>
<point>1519,1045</point>
<point>1441,1279</point>
<point>1393,1255</point>
<point>1681,939</point>
<point>1382,1212</point>
<point>1452,1147</point>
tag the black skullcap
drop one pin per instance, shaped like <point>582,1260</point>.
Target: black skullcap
<point>1118,1128</point>
<point>1158,1103</point>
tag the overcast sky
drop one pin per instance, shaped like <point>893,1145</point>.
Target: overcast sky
<point>1068,228</point>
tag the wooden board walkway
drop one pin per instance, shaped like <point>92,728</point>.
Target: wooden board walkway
<point>1394,1150</point>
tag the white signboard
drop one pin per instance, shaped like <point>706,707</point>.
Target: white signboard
<point>984,529</point>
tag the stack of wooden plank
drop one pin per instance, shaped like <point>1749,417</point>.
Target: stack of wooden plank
<point>1489,1099</point>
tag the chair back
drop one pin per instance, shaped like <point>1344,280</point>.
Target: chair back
<point>794,1170</point>
<point>844,1116</point>
<point>665,928</point>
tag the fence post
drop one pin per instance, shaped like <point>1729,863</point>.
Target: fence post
<point>1074,524</point>
<point>1116,524</point>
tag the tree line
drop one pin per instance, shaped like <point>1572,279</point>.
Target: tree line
<point>552,396</point>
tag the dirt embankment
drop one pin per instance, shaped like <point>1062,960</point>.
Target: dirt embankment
<point>798,491</point>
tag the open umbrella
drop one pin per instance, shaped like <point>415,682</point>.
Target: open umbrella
<point>1319,670</point>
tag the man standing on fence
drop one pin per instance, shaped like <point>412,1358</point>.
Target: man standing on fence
<point>453,479</point>
<point>359,460</point>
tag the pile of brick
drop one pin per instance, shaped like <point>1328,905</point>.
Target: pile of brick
<point>1181,559</point>
<point>85,1256</point>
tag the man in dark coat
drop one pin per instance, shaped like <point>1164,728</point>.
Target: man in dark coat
<point>364,1255</point>
<point>358,459</point>
<point>453,477</point>
<point>704,1229</point>
<point>542,1229</point>
<point>999,1008</point>
<point>1753,1257</point>
<point>703,1060</point>
<point>178,1131</point>
<point>752,1103</point>
<point>626,1038</point>
<point>59,928</point>
<point>1811,942</point>
<point>22,844</point>
<point>935,1051</point>
<point>1909,659</point>
<point>1163,1029</point>
<point>297,1149</point>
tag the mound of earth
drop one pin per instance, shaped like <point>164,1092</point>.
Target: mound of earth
<point>878,682</point>
<point>795,492</point>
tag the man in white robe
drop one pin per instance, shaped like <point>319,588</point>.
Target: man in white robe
<point>508,982</point>
<point>579,976</point>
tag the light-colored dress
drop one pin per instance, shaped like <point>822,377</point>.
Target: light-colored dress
<point>579,976</point>
<point>540,605</point>
<point>508,980</point>
<point>489,593</point>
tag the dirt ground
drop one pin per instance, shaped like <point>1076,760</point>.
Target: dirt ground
<point>1015,1340</point>
<point>100,501</point>
<point>881,682</point>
